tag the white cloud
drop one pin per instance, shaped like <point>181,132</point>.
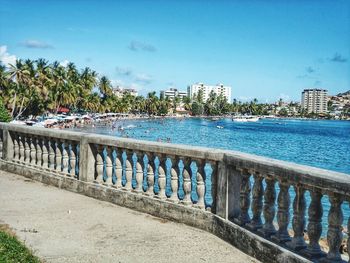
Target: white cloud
<point>121,71</point>
<point>141,46</point>
<point>143,78</point>
<point>5,57</point>
<point>64,63</point>
<point>32,43</point>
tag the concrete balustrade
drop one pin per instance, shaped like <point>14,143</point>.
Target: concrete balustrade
<point>257,204</point>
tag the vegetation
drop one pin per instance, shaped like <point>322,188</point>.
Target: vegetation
<point>4,115</point>
<point>36,87</point>
<point>12,250</point>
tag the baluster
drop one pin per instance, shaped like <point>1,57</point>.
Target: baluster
<point>52,150</point>
<point>39,151</point>
<point>139,171</point>
<point>334,234</point>
<point>211,204</point>
<point>16,156</point>
<point>314,228</point>
<point>65,157</point>
<point>21,147</point>
<point>161,177</point>
<point>200,184</point>
<point>45,153</point>
<point>27,149</point>
<point>257,202</point>
<point>174,173</point>
<point>244,200</point>
<point>150,174</point>
<point>269,210</point>
<point>298,222</point>
<point>283,217</point>
<point>33,150</point>
<point>99,164</point>
<point>118,168</point>
<point>187,174</point>
<point>73,158</point>
<point>58,155</point>
<point>128,170</point>
<point>109,166</point>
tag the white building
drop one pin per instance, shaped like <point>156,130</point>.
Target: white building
<point>217,89</point>
<point>314,100</point>
<point>120,92</point>
<point>172,93</point>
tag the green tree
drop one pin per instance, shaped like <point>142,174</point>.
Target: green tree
<point>197,108</point>
<point>4,114</point>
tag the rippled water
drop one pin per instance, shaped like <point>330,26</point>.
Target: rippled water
<point>323,144</point>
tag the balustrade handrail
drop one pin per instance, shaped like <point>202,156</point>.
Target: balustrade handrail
<point>38,131</point>
<point>295,174</point>
<point>311,177</point>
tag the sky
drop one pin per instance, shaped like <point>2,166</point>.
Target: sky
<point>262,49</point>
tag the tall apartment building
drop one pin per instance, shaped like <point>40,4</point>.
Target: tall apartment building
<point>314,100</point>
<point>172,93</point>
<point>217,89</point>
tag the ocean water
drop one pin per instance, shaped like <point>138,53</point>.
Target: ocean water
<point>324,144</point>
<point>319,143</point>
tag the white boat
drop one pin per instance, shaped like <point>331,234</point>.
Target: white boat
<point>245,119</point>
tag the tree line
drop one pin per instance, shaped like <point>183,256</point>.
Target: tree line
<point>33,87</point>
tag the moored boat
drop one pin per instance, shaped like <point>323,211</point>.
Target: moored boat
<point>245,119</point>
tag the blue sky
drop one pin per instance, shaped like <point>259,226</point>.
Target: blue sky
<point>263,49</point>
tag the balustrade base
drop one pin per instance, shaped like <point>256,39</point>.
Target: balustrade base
<point>116,186</point>
<point>329,260</point>
<point>202,207</point>
<point>241,221</point>
<point>186,203</point>
<point>313,254</point>
<point>281,238</point>
<point>173,200</point>
<point>137,191</point>
<point>160,197</point>
<point>253,226</point>
<point>266,233</point>
<point>296,245</point>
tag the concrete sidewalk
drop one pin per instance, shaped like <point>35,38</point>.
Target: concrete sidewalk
<point>61,226</point>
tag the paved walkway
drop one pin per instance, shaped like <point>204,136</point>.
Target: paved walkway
<point>61,226</point>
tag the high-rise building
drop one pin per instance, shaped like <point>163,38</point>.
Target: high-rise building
<point>206,89</point>
<point>314,100</point>
<point>172,93</point>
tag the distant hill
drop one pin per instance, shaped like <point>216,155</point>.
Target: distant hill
<point>344,94</point>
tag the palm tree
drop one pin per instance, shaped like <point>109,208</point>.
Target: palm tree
<point>187,103</point>
<point>20,74</point>
<point>59,81</point>
<point>152,103</point>
<point>105,87</point>
<point>88,80</point>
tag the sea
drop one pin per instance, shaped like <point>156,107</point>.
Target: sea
<point>318,143</point>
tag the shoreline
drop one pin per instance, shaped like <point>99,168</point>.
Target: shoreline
<point>67,121</point>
